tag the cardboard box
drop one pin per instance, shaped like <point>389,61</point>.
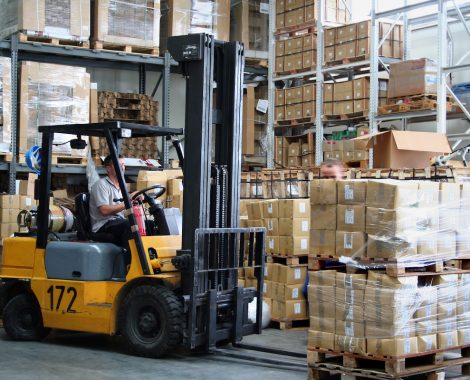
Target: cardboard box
<point>294,95</point>
<point>354,144</point>
<point>391,194</point>
<point>254,210</point>
<point>292,275</point>
<point>323,217</point>
<point>279,64</point>
<point>449,195</point>
<point>380,330</point>
<point>352,191</point>
<point>328,92</point>
<point>293,62</point>
<point>249,23</point>
<point>294,111</point>
<point>343,107</point>
<point>271,271</point>
<point>279,49</point>
<point>348,293</point>
<point>349,312</point>
<point>447,340</point>
<point>280,97</point>
<point>294,149</point>
<point>351,218</point>
<point>295,17</point>
<point>309,92</point>
<point>350,329</point>
<point>248,132</point>
<point>464,337</point>
<point>272,226</point>
<point>413,77</point>
<point>270,208</point>
<point>294,226</point>
<point>293,245</point>
<point>350,344</point>
<point>389,246</point>
<point>310,42</point>
<point>290,292</point>
<point>330,36</point>
<point>272,245</point>
<point>323,191</point>
<point>308,59</point>
<point>323,242</point>
<point>346,50</point>
<point>392,347</point>
<point>329,145</point>
<point>319,339</point>
<point>293,45</point>
<point>294,208</point>
<point>346,33</point>
<point>351,244</point>
<point>343,90</point>
<point>326,325</point>
<point>27,186</point>
<point>322,297</point>
<point>322,278</point>
<point>399,149</point>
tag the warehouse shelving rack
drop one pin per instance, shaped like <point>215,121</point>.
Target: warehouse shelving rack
<point>373,66</point>
<point>78,56</point>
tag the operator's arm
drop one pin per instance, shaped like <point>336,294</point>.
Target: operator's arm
<point>107,210</point>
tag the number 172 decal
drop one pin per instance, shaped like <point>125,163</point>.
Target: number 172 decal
<point>71,295</point>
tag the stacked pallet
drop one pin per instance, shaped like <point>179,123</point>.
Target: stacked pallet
<point>295,105</point>
<point>347,151</point>
<point>297,52</point>
<point>351,42</point>
<point>132,108</point>
<point>396,301</point>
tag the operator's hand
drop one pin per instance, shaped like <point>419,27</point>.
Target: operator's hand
<point>140,197</point>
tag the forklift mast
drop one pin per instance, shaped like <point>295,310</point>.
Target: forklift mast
<point>212,163</point>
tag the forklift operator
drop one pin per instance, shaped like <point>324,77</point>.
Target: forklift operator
<point>106,213</point>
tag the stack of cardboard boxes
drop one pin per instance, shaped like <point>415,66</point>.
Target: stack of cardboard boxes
<point>171,179</point>
<point>283,291</point>
<point>296,53</point>
<point>293,13</point>
<point>295,151</point>
<point>345,150</point>
<point>249,23</point>
<point>353,40</point>
<point>350,96</point>
<point>379,315</point>
<point>295,102</point>
<point>9,209</point>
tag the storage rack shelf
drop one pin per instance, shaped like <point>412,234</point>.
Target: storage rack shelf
<point>77,56</point>
<point>372,67</point>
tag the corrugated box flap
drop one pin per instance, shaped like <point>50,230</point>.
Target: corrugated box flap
<point>421,141</point>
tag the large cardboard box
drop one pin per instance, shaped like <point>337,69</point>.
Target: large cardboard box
<point>391,194</point>
<point>392,347</point>
<point>127,23</point>
<point>248,133</point>
<point>294,208</point>
<point>249,23</point>
<point>67,19</point>
<point>293,226</point>
<point>291,275</point>
<point>322,278</point>
<point>323,324</point>
<point>147,178</point>
<point>272,245</point>
<point>293,245</point>
<point>350,344</point>
<point>351,244</point>
<point>181,17</point>
<point>323,242</point>
<point>391,223</point>
<point>413,77</point>
<point>352,192</point>
<point>406,149</point>
<point>323,217</point>
<point>52,94</point>
<point>351,218</point>
<point>319,339</point>
<point>323,192</point>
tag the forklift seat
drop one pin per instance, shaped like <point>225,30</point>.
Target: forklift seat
<point>84,232</point>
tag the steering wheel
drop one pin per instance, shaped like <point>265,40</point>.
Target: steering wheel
<point>161,190</point>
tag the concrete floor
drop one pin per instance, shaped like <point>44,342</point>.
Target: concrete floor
<point>65,355</point>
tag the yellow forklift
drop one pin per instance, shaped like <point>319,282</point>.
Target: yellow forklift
<point>179,289</point>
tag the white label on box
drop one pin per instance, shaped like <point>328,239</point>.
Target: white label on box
<point>265,288</point>
<point>449,340</point>
<point>305,226</point>
<point>28,201</point>
<point>262,105</point>
<point>303,244</point>
<point>348,192</point>
<point>297,273</point>
<point>348,241</point>
<point>265,271</point>
<point>270,225</point>
<point>295,293</point>
<point>407,346</point>
<point>270,208</point>
<point>271,243</point>
<point>349,216</point>
<point>297,308</point>
<point>302,207</point>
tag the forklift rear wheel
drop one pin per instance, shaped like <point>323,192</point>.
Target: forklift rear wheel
<point>22,319</point>
<point>151,321</point>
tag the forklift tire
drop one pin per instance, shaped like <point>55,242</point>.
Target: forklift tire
<point>22,319</point>
<point>151,320</point>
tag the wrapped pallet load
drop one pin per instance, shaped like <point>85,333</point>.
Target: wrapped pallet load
<point>249,23</point>
<point>5,105</point>
<point>52,95</point>
<point>60,19</point>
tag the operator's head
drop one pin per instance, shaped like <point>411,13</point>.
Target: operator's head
<point>108,164</point>
<point>333,169</point>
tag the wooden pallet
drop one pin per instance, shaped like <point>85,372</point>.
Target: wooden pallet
<point>392,267</point>
<point>69,160</point>
<point>412,98</point>
<point>362,115</point>
<point>345,61</point>
<point>100,45</point>
<point>295,122</point>
<point>296,71</point>
<point>6,156</point>
<point>290,324</point>
<point>431,173</point>
<point>297,30</point>
<point>418,105</point>
<point>287,260</point>
<point>24,37</point>
<point>387,367</point>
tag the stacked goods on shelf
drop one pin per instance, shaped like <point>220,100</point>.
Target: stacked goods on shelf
<point>402,227</point>
<point>268,184</point>
<point>132,108</point>
<point>180,17</point>
<point>345,150</point>
<point>5,105</point>
<point>128,25</point>
<point>352,42</point>
<point>295,103</point>
<point>350,97</point>
<point>296,53</point>
<point>59,21</point>
<point>9,209</point>
<point>52,95</point>
<point>412,86</point>
<point>255,119</point>
<point>295,151</point>
<point>249,23</point>
<point>298,13</point>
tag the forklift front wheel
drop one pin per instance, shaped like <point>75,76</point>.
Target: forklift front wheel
<point>22,319</point>
<point>151,321</point>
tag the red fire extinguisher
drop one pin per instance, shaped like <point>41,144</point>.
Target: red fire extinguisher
<point>139,217</point>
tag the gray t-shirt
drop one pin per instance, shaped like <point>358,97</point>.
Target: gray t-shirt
<point>103,192</point>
